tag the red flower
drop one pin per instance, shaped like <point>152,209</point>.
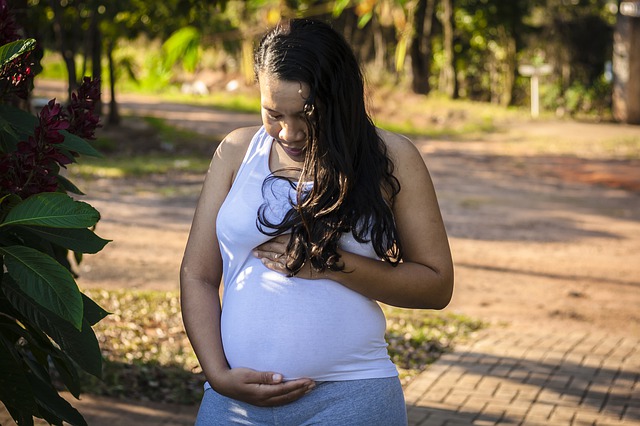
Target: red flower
<point>51,122</point>
<point>16,76</point>
<point>80,112</point>
<point>34,166</point>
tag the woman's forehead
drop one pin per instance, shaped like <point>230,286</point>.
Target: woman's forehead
<point>277,94</point>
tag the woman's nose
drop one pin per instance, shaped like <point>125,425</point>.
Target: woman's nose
<point>292,132</point>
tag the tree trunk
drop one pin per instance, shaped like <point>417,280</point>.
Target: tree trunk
<point>379,46</point>
<point>448,85</point>
<point>67,52</point>
<point>626,69</point>
<point>114,116</point>
<point>420,50</point>
<point>509,71</point>
<point>96,52</point>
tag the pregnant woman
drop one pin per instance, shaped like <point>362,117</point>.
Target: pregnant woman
<point>309,221</point>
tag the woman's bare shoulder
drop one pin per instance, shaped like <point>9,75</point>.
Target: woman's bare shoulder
<point>231,151</point>
<point>399,147</point>
<point>236,143</point>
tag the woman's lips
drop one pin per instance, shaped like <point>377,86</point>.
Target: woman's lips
<point>292,151</point>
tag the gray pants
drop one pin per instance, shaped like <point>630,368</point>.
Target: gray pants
<point>367,402</point>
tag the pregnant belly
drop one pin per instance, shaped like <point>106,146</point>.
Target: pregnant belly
<point>301,328</point>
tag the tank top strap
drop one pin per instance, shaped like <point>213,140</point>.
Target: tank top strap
<point>256,159</point>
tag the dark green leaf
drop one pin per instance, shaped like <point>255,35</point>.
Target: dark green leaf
<point>35,366</point>
<point>77,144</point>
<point>61,255</point>
<point>82,346</point>
<point>93,313</point>
<point>68,185</point>
<point>52,209</point>
<point>47,397</point>
<point>82,240</point>
<point>40,345</point>
<point>68,374</point>
<point>14,386</point>
<point>22,121</point>
<point>7,203</point>
<point>45,281</point>
<point>8,137</point>
<point>21,417</point>
<point>49,417</point>
<point>10,51</point>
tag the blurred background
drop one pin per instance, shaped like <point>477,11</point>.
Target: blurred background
<point>578,58</point>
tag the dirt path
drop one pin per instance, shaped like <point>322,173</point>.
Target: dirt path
<point>537,240</point>
<point>535,248</point>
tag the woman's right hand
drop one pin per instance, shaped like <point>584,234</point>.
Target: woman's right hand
<point>260,388</point>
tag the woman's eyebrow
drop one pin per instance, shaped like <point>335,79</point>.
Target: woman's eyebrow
<point>278,112</point>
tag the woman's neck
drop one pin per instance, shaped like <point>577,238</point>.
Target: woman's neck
<point>282,164</point>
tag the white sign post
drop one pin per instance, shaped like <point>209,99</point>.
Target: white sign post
<point>535,72</point>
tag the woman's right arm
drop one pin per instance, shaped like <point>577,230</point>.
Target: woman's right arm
<point>200,276</point>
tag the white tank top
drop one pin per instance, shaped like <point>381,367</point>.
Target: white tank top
<point>300,328</point>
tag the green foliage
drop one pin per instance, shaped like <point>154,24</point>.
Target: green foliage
<point>139,166</point>
<point>491,38</point>
<point>184,45</point>
<point>578,100</point>
<point>45,321</point>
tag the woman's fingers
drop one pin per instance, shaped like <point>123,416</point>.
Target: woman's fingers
<point>272,253</point>
<point>268,389</point>
<point>289,392</point>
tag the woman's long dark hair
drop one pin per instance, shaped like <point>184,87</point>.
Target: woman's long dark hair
<point>353,183</point>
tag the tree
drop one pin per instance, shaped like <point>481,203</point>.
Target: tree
<point>626,67</point>
<point>92,29</point>
<point>448,78</point>
<point>420,50</point>
<point>67,38</point>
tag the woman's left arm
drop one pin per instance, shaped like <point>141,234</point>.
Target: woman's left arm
<point>424,279</point>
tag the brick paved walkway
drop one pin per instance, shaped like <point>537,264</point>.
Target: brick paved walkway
<point>535,377</point>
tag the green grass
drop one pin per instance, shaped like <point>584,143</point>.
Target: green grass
<point>239,102</point>
<point>401,111</point>
<point>148,356</point>
<point>160,149</point>
<point>137,166</point>
<point>175,138</point>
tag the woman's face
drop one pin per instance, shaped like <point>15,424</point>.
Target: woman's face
<point>283,114</point>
